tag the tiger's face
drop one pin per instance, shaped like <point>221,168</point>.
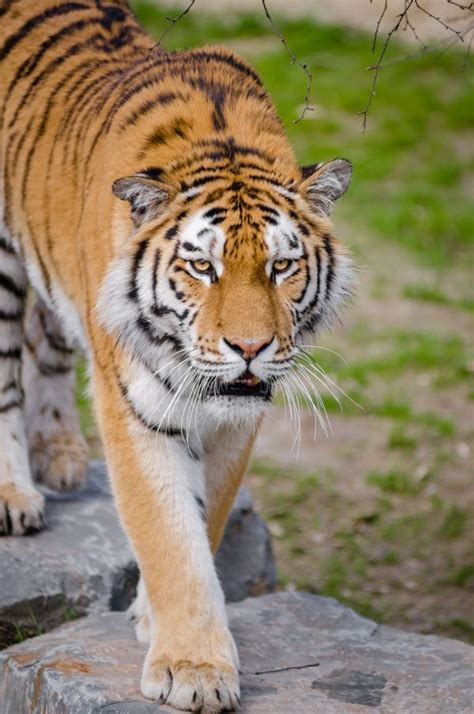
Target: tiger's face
<point>227,282</point>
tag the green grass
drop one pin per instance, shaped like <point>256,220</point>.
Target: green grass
<point>425,293</point>
<point>454,523</point>
<point>408,167</point>
<point>389,353</point>
<point>394,482</point>
<point>400,439</point>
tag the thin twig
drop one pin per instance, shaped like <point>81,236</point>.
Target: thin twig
<point>409,24</point>
<point>174,20</point>
<point>403,21</point>
<point>294,60</point>
<point>376,33</point>
<point>438,50</point>
<point>460,5</point>
<point>391,32</point>
<point>439,20</point>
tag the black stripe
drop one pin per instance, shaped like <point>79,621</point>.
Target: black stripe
<point>227,59</point>
<point>52,370</point>
<point>179,295</point>
<point>268,209</point>
<point>15,404</point>
<point>202,507</point>
<point>189,246</point>
<point>314,301</point>
<point>201,169</point>
<point>273,221</point>
<point>58,345</point>
<point>137,260</point>
<point>153,173</point>
<point>8,387</point>
<point>330,268</point>
<point>5,6</point>
<point>303,229</point>
<point>6,246</point>
<point>13,353</point>
<point>7,283</point>
<point>267,179</point>
<point>161,310</point>
<point>171,232</point>
<point>144,325</point>
<point>200,182</point>
<point>165,431</point>
<point>37,20</point>
<point>162,99</point>
<point>163,134</point>
<point>156,265</point>
<point>216,211</point>
<point>11,316</point>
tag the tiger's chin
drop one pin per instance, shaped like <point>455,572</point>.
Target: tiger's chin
<point>237,407</point>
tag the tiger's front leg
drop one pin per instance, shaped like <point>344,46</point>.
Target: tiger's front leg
<point>21,504</point>
<point>58,451</point>
<point>159,487</point>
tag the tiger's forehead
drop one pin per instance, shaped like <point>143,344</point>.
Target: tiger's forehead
<point>234,233</point>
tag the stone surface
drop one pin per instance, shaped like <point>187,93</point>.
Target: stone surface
<point>82,563</point>
<point>300,654</point>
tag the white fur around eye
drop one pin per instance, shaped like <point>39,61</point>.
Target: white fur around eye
<point>283,243</point>
<point>200,240</point>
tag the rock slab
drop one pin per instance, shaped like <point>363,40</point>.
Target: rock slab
<point>300,654</point>
<point>83,563</point>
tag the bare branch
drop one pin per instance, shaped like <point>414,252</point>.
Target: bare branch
<point>437,50</point>
<point>376,33</point>
<point>403,21</point>
<point>439,20</point>
<point>174,20</point>
<point>391,32</point>
<point>470,6</point>
<point>409,24</point>
<point>294,60</point>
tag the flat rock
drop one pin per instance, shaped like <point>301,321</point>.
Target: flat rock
<point>300,654</point>
<point>83,563</point>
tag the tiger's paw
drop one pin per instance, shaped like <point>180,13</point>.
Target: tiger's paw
<point>59,460</point>
<point>208,687</point>
<point>21,510</point>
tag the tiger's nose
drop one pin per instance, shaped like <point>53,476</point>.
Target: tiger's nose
<point>248,349</point>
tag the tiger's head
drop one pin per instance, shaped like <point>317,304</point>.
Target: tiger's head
<point>229,268</point>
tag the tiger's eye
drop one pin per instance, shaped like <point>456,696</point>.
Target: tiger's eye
<point>202,266</point>
<point>279,266</point>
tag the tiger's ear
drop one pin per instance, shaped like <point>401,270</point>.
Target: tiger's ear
<point>147,198</point>
<point>325,182</point>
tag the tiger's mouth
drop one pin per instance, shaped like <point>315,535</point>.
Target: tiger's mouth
<point>247,385</point>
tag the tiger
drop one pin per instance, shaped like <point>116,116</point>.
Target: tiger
<point>154,217</point>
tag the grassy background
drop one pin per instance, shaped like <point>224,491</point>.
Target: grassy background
<point>380,514</point>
